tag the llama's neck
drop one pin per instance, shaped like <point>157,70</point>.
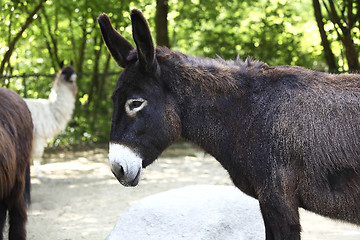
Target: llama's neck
<point>62,99</point>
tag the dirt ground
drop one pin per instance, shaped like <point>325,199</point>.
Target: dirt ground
<point>80,199</point>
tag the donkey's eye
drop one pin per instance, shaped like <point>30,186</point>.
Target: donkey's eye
<point>135,104</point>
<point>132,106</point>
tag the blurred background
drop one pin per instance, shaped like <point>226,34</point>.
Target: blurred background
<point>36,35</point>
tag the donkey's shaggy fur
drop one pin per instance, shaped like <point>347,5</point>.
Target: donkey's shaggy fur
<point>16,135</point>
<point>288,136</point>
<point>50,116</point>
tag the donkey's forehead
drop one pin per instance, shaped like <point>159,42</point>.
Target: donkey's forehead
<point>132,57</point>
<point>160,53</point>
<point>133,78</point>
<point>131,81</point>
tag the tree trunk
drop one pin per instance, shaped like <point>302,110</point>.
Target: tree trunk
<point>343,24</point>
<point>351,53</point>
<point>52,49</point>
<point>81,49</point>
<point>53,40</point>
<point>329,55</point>
<point>161,23</point>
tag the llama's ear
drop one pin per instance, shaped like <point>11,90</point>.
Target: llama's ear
<point>144,42</point>
<point>61,64</point>
<point>118,46</point>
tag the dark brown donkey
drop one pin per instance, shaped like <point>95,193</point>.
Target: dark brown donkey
<point>16,135</point>
<point>288,136</point>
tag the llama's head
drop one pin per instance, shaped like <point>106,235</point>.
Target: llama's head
<point>145,119</point>
<point>67,76</point>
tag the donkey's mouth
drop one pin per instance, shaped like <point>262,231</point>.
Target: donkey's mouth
<point>131,183</point>
<point>125,180</point>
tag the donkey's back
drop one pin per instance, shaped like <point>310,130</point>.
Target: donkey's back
<point>310,127</point>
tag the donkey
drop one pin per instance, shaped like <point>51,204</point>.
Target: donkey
<point>16,135</point>
<point>288,136</point>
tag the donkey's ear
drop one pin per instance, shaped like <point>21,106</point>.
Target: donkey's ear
<point>118,46</point>
<point>144,43</point>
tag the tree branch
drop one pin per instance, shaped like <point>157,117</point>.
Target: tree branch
<point>350,18</point>
<point>13,42</point>
<point>335,18</point>
<point>329,55</point>
<point>53,39</point>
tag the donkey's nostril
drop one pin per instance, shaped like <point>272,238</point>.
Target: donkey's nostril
<point>121,172</point>
<point>118,171</point>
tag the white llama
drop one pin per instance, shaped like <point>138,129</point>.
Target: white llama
<point>50,116</point>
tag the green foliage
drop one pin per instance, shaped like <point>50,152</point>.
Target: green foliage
<point>272,31</point>
<point>276,31</point>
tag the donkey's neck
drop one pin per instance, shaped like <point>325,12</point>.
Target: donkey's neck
<point>202,125</point>
<point>207,91</point>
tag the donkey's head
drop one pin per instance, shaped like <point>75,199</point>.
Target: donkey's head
<point>145,120</point>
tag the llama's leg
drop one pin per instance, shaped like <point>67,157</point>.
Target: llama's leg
<point>3,210</point>
<point>37,165</point>
<point>38,150</point>
<point>18,218</point>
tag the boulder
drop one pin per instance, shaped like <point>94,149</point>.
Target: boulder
<point>198,212</point>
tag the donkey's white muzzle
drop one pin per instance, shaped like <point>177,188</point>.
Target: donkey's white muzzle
<point>125,164</point>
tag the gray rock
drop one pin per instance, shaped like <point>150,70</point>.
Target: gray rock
<point>199,212</point>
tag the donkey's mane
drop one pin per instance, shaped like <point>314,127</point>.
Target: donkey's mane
<point>204,74</point>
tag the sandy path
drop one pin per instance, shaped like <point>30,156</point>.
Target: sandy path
<point>80,199</point>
